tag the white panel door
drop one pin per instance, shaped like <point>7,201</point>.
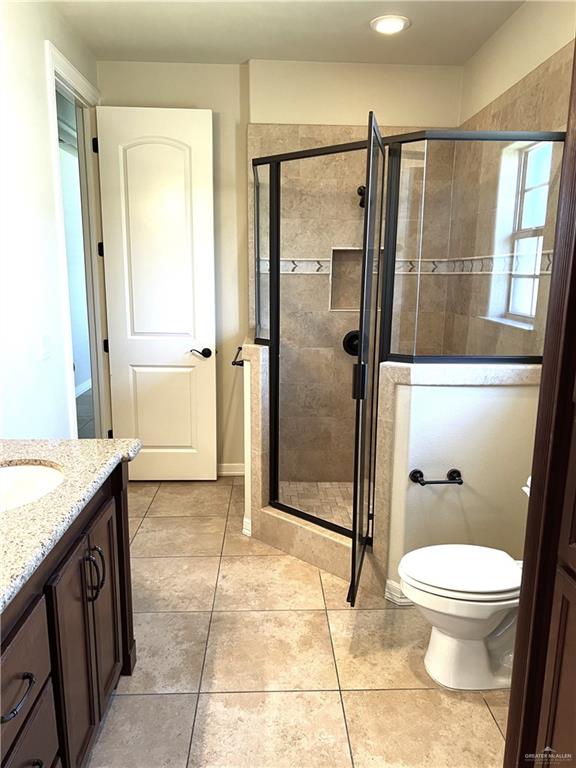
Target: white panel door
<point>157,217</point>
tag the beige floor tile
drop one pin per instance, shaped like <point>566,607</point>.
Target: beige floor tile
<point>145,732</point>
<point>191,500</point>
<point>173,583</point>
<point>380,649</point>
<point>133,525</point>
<point>267,583</point>
<point>270,730</point>
<point>269,650</point>
<point>140,495</point>
<point>178,537</point>
<point>421,729</point>
<point>239,480</point>
<point>336,590</point>
<point>499,701</point>
<point>236,543</point>
<point>171,650</point>
<point>236,509</point>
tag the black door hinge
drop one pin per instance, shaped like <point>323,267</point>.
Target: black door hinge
<point>359,381</point>
<point>95,144</point>
<point>105,345</point>
<point>100,249</point>
<point>110,433</point>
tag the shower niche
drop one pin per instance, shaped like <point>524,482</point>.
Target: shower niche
<point>444,256</point>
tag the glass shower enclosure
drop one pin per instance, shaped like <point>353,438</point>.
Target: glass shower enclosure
<point>434,246</point>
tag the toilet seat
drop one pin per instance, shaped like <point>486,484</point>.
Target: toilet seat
<point>462,572</point>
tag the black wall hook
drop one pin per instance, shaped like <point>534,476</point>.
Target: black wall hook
<point>453,477</point>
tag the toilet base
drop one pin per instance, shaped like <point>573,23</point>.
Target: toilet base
<point>464,665</point>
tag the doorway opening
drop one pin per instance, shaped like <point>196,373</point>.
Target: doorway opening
<point>69,121</point>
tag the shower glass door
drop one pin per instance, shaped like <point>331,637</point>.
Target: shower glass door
<point>365,385</point>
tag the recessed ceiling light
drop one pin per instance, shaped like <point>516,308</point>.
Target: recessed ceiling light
<point>390,24</point>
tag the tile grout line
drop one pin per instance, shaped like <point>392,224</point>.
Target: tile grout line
<point>151,501</point>
<point>493,718</point>
<point>144,515</point>
<point>337,673</point>
<point>208,633</point>
<point>278,690</point>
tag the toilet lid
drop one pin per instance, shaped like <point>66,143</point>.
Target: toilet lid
<point>462,568</point>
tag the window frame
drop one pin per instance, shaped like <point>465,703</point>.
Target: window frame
<point>519,233</point>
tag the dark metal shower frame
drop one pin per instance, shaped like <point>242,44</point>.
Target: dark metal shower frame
<point>394,144</point>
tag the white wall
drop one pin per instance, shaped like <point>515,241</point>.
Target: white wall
<point>343,94</point>
<point>70,179</point>
<point>33,300</point>
<point>215,87</point>
<point>530,36</point>
<point>487,432</point>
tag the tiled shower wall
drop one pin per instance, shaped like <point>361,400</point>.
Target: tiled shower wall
<point>539,102</point>
<point>320,215</point>
<point>458,218</point>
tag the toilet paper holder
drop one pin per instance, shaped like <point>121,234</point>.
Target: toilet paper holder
<point>453,477</point>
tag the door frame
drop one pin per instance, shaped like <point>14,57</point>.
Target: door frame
<point>63,76</point>
<point>550,461</point>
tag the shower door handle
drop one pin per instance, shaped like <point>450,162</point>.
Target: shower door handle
<point>359,381</point>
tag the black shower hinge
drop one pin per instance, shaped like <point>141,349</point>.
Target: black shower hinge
<point>359,381</point>
<point>105,345</point>
<point>95,144</point>
<point>100,249</point>
<point>110,434</point>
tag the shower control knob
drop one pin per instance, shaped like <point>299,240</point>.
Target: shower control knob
<point>350,343</point>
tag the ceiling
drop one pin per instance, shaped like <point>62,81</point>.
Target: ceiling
<point>321,30</point>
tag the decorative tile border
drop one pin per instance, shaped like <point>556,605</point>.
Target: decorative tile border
<point>499,264</point>
<point>298,266</point>
<point>472,265</point>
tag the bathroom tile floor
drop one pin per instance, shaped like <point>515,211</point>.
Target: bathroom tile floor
<point>249,658</point>
<point>329,501</point>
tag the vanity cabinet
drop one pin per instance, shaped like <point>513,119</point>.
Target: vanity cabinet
<point>67,637</point>
<point>83,602</point>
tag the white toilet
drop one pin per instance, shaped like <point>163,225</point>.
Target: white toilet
<point>470,596</point>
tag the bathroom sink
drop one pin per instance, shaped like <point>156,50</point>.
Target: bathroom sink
<point>23,483</point>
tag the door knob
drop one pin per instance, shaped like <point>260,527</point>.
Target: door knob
<point>206,352</point>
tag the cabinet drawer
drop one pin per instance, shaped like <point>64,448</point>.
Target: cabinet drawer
<point>25,667</point>
<point>37,745</point>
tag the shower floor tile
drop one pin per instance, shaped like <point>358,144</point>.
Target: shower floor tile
<point>328,501</point>
<point>284,667</point>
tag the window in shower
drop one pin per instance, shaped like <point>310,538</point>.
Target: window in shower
<point>473,249</point>
<point>534,167</point>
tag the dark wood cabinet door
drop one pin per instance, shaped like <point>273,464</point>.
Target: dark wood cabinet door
<point>567,551</point>
<point>103,544</point>
<point>558,725</point>
<point>69,593</point>
<point>37,745</point>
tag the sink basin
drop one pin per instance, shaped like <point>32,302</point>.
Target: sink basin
<point>23,483</point>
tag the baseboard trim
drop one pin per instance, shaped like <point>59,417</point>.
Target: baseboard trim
<point>395,594</point>
<point>83,387</point>
<point>231,470</point>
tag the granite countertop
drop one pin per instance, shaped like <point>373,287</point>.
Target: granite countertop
<point>29,532</point>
